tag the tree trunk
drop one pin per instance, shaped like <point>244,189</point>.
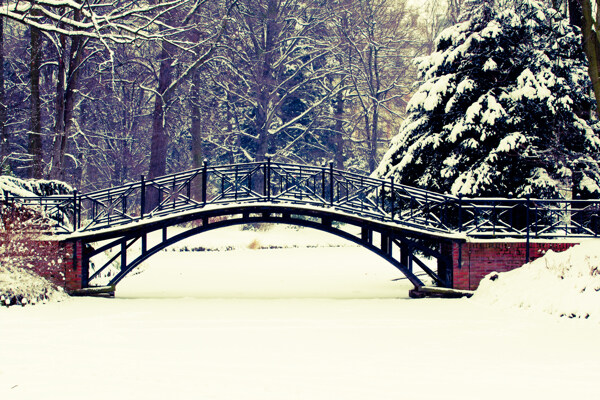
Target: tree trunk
<point>196,126</point>
<point>67,86</point>
<point>196,133</point>
<point>266,80</point>
<point>159,143</point>
<point>338,139</point>
<point>4,150</point>
<point>591,47</point>
<point>35,130</point>
<point>263,134</point>
<point>59,121</point>
<point>576,12</point>
<point>374,137</point>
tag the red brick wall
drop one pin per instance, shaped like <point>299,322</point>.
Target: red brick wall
<point>24,245</point>
<point>50,259</point>
<point>72,269</point>
<point>481,258</point>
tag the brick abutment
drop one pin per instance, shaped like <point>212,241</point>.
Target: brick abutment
<point>473,260</point>
<point>59,262</point>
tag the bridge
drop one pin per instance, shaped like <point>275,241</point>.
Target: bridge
<point>402,224</point>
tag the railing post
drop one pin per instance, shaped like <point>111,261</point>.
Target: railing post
<point>142,196</point>
<point>268,178</point>
<point>299,180</point>
<point>204,179</point>
<point>362,185</point>
<point>528,203</point>
<point>78,211</point>
<point>460,224</point>
<point>427,208</point>
<point>265,173</point>
<point>74,210</point>
<point>323,178</point>
<point>331,183</point>
<point>392,196</point>
<point>235,182</point>
<point>382,198</point>
<point>173,194</point>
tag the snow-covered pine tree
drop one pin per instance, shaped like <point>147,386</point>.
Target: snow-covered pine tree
<point>503,109</point>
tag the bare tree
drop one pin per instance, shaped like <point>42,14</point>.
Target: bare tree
<point>381,37</point>
<point>35,128</point>
<point>4,151</point>
<point>198,50</point>
<point>116,22</point>
<point>72,24</point>
<point>273,75</point>
<point>70,59</point>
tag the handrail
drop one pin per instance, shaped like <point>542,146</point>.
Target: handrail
<point>322,186</point>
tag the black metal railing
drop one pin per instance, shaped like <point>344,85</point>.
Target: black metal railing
<point>57,212</point>
<point>323,187</point>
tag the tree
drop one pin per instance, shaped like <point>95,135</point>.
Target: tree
<point>70,59</point>
<point>72,25</point>
<point>108,22</point>
<point>35,129</point>
<point>115,117</point>
<point>380,42</point>
<point>272,76</point>
<point>582,15</point>
<point>501,110</point>
<point>200,48</point>
<point>3,137</point>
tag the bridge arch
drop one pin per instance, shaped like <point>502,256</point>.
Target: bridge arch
<point>403,217</point>
<point>399,246</point>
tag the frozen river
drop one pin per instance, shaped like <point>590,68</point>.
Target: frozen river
<point>307,323</point>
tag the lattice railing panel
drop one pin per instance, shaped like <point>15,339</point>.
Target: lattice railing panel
<point>319,186</point>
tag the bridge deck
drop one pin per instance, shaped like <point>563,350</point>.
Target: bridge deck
<point>281,211</point>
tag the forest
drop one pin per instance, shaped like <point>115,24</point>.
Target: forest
<point>100,93</point>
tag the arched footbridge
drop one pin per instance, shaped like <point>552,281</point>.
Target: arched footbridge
<point>400,223</point>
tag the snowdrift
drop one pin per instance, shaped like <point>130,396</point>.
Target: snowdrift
<point>31,187</point>
<point>21,287</point>
<point>18,285</point>
<point>565,284</point>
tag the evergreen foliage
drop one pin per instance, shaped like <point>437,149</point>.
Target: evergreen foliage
<point>503,109</point>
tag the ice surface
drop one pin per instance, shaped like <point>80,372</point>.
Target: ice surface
<point>379,346</point>
<point>316,323</point>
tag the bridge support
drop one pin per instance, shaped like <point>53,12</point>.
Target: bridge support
<point>129,247</point>
<point>473,260</point>
<point>58,262</point>
<point>75,278</point>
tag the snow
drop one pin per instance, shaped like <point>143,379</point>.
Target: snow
<point>265,236</point>
<point>22,287</point>
<point>563,284</point>
<point>503,76</point>
<point>31,187</point>
<point>295,323</point>
<point>490,65</point>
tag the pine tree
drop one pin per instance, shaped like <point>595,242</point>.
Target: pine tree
<point>503,109</point>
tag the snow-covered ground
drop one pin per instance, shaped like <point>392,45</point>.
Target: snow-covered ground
<point>21,287</point>
<point>289,323</point>
<point>565,284</point>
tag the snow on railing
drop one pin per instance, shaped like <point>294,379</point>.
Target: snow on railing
<point>318,186</point>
